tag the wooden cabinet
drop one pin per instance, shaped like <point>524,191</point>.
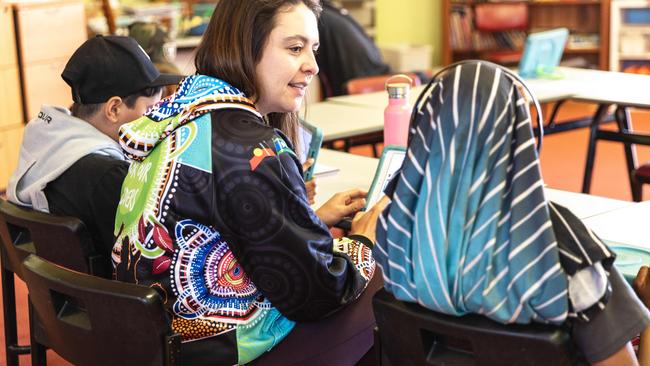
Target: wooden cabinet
<point>10,100</point>
<point>587,21</point>
<point>36,38</point>
<point>34,50</point>
<point>42,84</point>
<point>10,140</point>
<point>47,34</point>
<point>11,114</point>
<point>7,36</point>
<point>49,30</point>
<point>630,36</point>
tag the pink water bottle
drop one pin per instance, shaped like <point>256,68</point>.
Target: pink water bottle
<point>397,114</point>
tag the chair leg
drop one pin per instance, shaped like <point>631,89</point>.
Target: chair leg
<point>38,351</point>
<point>591,150</point>
<point>9,313</point>
<point>637,189</point>
<point>377,346</point>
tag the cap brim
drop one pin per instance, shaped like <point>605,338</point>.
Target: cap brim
<point>166,79</point>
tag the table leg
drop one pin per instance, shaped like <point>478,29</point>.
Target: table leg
<point>624,122</point>
<point>591,150</point>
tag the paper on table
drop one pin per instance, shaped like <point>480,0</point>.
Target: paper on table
<point>322,170</point>
<point>627,225</point>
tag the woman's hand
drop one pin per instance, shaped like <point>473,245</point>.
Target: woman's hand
<point>365,223</point>
<point>310,185</point>
<point>341,205</point>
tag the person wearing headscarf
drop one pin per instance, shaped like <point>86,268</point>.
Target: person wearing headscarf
<point>469,229</point>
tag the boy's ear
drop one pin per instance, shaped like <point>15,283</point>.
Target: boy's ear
<point>112,108</point>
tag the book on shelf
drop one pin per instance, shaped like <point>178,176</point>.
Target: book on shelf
<point>461,28</point>
<point>463,36</point>
<point>583,41</point>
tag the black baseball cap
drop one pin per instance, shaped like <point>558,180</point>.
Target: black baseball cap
<point>107,66</point>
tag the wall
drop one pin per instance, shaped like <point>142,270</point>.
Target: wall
<point>410,21</point>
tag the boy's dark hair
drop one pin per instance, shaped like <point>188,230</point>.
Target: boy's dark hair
<point>85,111</point>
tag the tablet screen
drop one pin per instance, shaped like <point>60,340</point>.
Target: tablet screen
<point>389,165</point>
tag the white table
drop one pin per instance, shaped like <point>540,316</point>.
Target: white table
<point>585,85</point>
<point>355,171</point>
<point>611,87</point>
<point>373,100</point>
<point>628,225</point>
<point>585,205</point>
<point>340,121</point>
<point>353,115</point>
<point>624,230</point>
<point>544,89</point>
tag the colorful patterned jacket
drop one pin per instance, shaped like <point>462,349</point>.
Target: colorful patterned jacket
<point>213,214</point>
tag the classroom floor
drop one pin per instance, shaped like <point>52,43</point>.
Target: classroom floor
<point>563,158</point>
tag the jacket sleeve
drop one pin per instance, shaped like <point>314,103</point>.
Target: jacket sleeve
<point>262,212</point>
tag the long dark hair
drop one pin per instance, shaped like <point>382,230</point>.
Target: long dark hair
<point>232,46</point>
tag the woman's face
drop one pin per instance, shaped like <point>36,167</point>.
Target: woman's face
<point>288,63</point>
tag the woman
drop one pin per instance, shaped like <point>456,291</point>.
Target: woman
<point>470,231</point>
<point>214,212</point>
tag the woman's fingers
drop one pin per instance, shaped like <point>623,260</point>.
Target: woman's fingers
<point>381,204</point>
<point>365,223</point>
<point>307,164</point>
<point>352,194</point>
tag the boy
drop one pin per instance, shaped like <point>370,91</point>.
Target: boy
<point>70,162</point>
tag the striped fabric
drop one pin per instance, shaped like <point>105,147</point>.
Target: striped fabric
<point>585,259</point>
<point>469,229</point>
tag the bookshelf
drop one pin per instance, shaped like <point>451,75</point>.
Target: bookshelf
<point>587,21</point>
<point>630,36</point>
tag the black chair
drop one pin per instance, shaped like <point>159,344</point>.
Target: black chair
<point>63,240</point>
<point>94,321</point>
<point>411,335</point>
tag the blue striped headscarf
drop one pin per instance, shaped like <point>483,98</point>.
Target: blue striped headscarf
<point>468,228</point>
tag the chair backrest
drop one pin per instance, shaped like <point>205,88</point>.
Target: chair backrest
<point>496,17</point>
<point>60,239</point>
<point>369,84</point>
<point>413,335</point>
<point>94,321</point>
